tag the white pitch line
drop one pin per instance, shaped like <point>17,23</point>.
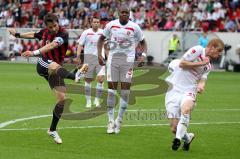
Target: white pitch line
<point>200,110</point>
<point>7,123</point>
<point>4,124</point>
<point>104,126</point>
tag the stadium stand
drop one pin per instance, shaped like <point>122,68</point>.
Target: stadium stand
<point>167,15</point>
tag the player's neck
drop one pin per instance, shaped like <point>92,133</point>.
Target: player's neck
<point>95,29</point>
<point>123,22</point>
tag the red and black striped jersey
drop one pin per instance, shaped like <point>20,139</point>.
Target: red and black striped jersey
<point>57,55</point>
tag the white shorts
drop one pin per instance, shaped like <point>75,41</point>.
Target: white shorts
<point>93,65</point>
<point>174,100</point>
<point>119,69</point>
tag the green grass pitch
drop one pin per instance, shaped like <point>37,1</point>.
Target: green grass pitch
<point>215,122</point>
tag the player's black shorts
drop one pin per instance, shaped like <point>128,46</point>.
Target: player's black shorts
<point>53,79</point>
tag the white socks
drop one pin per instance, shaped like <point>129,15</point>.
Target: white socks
<point>88,92</point>
<point>99,89</point>
<point>182,126</point>
<point>111,101</point>
<point>123,103</point>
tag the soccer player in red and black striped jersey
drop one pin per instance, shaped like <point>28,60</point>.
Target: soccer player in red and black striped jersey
<point>52,52</point>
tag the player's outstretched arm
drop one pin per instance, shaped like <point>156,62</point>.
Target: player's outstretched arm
<point>42,50</point>
<point>189,64</point>
<point>99,48</point>
<point>28,35</point>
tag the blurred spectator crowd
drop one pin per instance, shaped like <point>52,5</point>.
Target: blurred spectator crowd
<point>190,15</point>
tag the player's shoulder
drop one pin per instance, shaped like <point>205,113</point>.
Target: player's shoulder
<point>63,31</point>
<point>43,30</point>
<point>197,48</point>
<point>174,65</point>
<point>116,21</point>
<point>87,31</point>
<point>133,24</point>
<point>113,22</point>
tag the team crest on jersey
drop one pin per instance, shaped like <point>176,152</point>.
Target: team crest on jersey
<point>128,33</point>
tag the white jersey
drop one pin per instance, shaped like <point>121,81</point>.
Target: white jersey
<point>89,40</point>
<point>186,79</point>
<point>123,38</point>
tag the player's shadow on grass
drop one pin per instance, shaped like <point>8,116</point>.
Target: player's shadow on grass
<point>151,76</point>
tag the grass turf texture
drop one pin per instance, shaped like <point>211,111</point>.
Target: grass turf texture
<point>24,94</point>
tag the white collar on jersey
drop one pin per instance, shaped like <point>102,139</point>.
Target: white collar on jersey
<point>94,31</point>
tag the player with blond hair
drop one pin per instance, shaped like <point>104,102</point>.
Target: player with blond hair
<point>188,77</point>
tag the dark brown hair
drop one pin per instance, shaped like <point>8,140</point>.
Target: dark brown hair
<point>50,17</point>
<point>94,17</point>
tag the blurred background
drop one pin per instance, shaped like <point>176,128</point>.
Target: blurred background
<point>170,26</point>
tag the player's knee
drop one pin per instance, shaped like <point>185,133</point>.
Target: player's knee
<point>187,106</point>
<point>61,102</point>
<point>125,93</point>
<point>186,110</point>
<point>88,80</point>
<point>112,85</point>
<point>61,97</point>
<point>100,80</point>
<point>125,86</point>
<point>53,67</point>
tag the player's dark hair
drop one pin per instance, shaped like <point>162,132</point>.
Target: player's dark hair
<point>123,6</point>
<point>50,17</point>
<point>94,17</point>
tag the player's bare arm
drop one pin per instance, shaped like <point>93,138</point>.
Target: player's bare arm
<point>106,49</point>
<point>79,51</point>
<point>42,50</point>
<point>99,48</point>
<point>143,45</point>
<point>188,64</point>
<point>28,35</point>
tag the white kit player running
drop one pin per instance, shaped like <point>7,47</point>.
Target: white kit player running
<point>188,77</point>
<point>123,36</point>
<point>88,41</point>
